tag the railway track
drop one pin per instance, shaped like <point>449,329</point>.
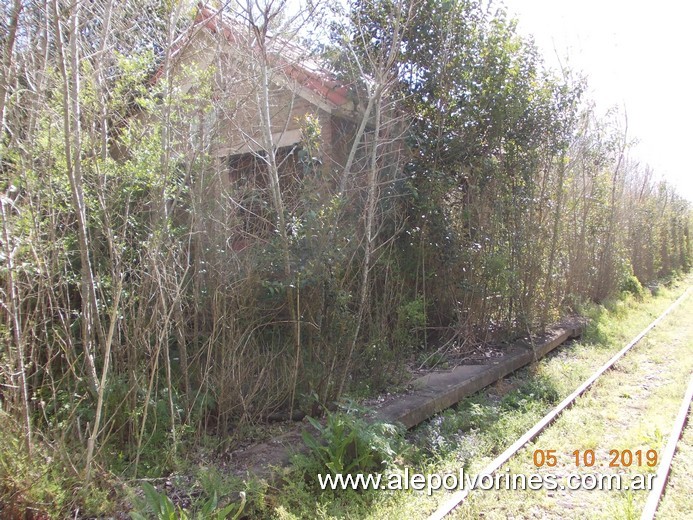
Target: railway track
<point>459,497</point>
<point>657,491</point>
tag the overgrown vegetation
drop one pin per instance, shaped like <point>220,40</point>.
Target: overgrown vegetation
<point>631,411</point>
<point>348,443</point>
<point>483,425</point>
<point>162,507</point>
<point>148,302</point>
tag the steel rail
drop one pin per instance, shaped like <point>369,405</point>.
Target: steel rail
<point>657,490</point>
<point>458,497</point>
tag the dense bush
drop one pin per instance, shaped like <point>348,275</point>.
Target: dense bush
<point>148,300</point>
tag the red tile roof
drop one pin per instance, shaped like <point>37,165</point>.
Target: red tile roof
<point>288,56</point>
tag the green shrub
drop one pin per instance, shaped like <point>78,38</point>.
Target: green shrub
<point>632,285</point>
<point>163,508</point>
<point>411,317</point>
<point>347,443</point>
<point>45,482</point>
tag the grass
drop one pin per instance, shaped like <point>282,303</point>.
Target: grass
<point>44,484</point>
<point>49,484</point>
<point>678,501</point>
<point>631,408</point>
<point>465,437</point>
<point>482,425</point>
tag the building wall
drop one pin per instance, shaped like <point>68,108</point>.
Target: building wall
<point>236,121</point>
<point>233,126</point>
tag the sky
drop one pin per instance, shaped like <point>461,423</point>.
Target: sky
<point>637,55</point>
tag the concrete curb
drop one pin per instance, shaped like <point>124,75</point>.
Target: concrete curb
<point>436,392</point>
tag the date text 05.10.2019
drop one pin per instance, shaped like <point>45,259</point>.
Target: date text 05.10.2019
<point>587,458</point>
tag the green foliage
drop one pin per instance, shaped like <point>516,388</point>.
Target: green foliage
<point>44,483</point>
<point>508,208</point>
<point>539,387</point>
<point>490,420</point>
<point>411,319</point>
<point>433,360</point>
<point>162,508</point>
<point>632,285</point>
<point>348,443</point>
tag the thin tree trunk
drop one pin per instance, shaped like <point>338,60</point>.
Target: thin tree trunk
<point>277,198</point>
<point>368,228</point>
<point>13,310</point>
<point>91,442</point>
<point>548,284</point>
<point>73,151</point>
<point>8,51</point>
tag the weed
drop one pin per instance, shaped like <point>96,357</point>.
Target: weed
<point>163,508</point>
<point>348,443</point>
<point>628,510</point>
<point>411,317</point>
<point>487,422</point>
<point>44,484</point>
<point>633,286</point>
